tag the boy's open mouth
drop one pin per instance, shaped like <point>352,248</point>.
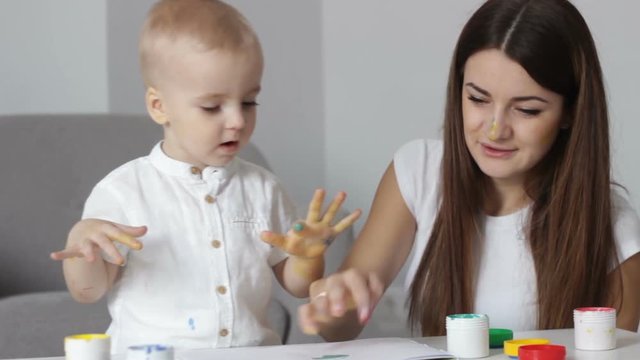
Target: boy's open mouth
<point>229,145</point>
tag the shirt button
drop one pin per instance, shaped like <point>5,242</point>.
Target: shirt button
<point>210,199</point>
<point>195,170</point>
<point>216,243</point>
<point>224,332</point>
<point>221,290</point>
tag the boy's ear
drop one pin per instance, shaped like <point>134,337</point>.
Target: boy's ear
<point>155,106</point>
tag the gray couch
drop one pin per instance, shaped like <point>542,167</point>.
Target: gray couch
<point>49,165</point>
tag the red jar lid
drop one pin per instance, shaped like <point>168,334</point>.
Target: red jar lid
<point>542,352</point>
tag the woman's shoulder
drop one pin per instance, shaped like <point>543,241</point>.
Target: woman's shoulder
<point>432,146</point>
<point>419,152</point>
<point>417,168</point>
<point>626,223</point>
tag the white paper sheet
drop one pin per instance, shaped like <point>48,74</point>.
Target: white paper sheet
<point>366,349</point>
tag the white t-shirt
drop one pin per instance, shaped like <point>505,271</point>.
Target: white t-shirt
<point>506,288</point>
<point>203,278</point>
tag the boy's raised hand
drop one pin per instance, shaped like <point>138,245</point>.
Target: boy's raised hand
<point>87,237</point>
<point>310,238</point>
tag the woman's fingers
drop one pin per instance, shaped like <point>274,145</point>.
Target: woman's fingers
<point>334,296</point>
<point>360,293</point>
<point>306,319</point>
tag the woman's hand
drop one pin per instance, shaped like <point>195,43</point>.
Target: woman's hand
<point>333,297</point>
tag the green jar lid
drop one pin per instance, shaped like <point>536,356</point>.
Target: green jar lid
<point>497,337</point>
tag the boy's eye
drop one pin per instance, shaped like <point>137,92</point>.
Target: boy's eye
<point>249,104</point>
<point>477,99</point>
<point>210,109</point>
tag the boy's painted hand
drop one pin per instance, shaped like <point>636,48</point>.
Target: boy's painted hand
<point>310,238</point>
<point>87,237</point>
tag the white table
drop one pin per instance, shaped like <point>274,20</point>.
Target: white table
<point>628,346</point>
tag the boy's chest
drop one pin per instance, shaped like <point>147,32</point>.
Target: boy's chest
<point>203,227</point>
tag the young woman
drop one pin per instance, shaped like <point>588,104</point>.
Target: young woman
<point>513,213</point>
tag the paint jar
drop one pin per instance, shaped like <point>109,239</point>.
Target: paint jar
<point>497,337</point>
<point>87,347</point>
<point>150,352</point>
<point>511,347</point>
<point>542,352</point>
<point>468,335</point>
<point>595,328</point>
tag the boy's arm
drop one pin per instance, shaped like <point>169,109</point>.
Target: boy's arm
<point>306,243</point>
<point>296,274</point>
<point>88,281</point>
<point>87,274</point>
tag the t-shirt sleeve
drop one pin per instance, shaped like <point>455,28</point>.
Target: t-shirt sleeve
<point>416,165</point>
<point>104,203</point>
<point>626,226</point>
<point>283,216</point>
<point>405,164</point>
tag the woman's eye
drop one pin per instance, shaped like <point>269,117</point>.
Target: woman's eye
<point>530,112</point>
<point>477,100</point>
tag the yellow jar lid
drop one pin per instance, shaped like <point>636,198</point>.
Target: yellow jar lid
<point>87,337</point>
<point>511,346</point>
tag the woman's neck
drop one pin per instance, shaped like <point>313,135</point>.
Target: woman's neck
<point>504,198</point>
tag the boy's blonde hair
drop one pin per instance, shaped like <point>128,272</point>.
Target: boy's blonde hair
<point>208,24</point>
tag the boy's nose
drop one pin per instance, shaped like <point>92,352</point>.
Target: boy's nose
<point>236,119</point>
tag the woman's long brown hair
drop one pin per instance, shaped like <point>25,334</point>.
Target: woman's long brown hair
<point>570,226</point>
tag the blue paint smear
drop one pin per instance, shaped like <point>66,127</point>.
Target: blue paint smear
<point>150,348</point>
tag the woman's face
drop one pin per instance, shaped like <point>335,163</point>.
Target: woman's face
<point>510,121</point>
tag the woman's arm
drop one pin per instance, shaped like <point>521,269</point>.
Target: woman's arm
<point>625,281</point>
<point>340,304</point>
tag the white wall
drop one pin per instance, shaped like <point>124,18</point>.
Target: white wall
<point>54,56</point>
<point>617,35</point>
<point>290,130</point>
<point>386,66</point>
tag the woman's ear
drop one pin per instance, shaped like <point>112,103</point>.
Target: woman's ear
<point>565,122</point>
<point>155,106</point>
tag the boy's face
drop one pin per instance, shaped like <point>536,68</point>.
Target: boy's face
<point>206,101</point>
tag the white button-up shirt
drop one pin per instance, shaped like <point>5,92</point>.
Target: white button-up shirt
<point>203,278</point>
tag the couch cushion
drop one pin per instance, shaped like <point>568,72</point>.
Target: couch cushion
<point>49,164</point>
<point>35,324</point>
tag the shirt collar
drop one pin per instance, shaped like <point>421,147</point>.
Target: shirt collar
<point>181,169</point>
